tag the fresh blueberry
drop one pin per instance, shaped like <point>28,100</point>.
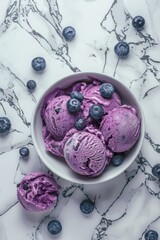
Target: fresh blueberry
<point>80,124</point>
<point>38,64</point>
<point>122,49</point>
<point>5,125</point>
<point>151,235</point>
<point>73,105</point>
<point>77,95</point>
<point>96,112</point>
<point>107,90</point>
<point>31,85</point>
<point>69,33</point>
<point>87,206</point>
<point>138,22</point>
<point>156,170</point>
<point>117,159</point>
<point>54,227</point>
<point>24,152</point>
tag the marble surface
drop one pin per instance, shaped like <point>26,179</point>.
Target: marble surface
<point>126,207</point>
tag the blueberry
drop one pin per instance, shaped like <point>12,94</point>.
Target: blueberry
<point>122,49</point>
<point>87,206</point>
<point>156,170</point>
<point>69,33</point>
<point>107,90</point>
<point>80,124</point>
<point>138,22</point>
<point>54,227</point>
<point>5,125</point>
<point>24,152</point>
<point>117,159</point>
<point>38,63</point>
<point>77,95</point>
<point>31,85</point>
<point>73,105</point>
<point>151,235</point>
<point>96,112</point>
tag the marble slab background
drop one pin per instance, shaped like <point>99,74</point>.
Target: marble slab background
<point>127,206</point>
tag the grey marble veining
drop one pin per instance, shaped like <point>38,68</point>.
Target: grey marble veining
<point>126,207</point>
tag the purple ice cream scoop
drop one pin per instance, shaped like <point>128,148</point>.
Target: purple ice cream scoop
<point>121,128</point>
<point>86,154</point>
<point>92,96</point>
<point>37,192</point>
<point>57,119</point>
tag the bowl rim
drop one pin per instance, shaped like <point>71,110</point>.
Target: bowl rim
<point>98,180</point>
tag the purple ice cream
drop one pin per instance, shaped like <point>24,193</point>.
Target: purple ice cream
<point>57,118</point>
<point>92,96</point>
<point>87,151</point>
<point>37,192</point>
<point>86,154</point>
<point>121,128</point>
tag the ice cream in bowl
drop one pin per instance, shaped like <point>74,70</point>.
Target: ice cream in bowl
<point>88,128</point>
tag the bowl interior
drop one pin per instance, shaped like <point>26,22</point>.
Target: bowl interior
<point>58,165</point>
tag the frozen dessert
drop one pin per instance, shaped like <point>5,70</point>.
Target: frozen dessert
<point>87,125</point>
<point>92,96</point>
<point>58,120</point>
<point>86,154</point>
<point>37,192</point>
<point>121,128</point>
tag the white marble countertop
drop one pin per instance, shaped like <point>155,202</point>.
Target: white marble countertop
<point>126,207</point>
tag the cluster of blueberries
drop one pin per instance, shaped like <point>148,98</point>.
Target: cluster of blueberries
<point>96,111</point>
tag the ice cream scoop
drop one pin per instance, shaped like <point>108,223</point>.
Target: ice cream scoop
<point>37,192</point>
<point>92,96</point>
<point>121,128</point>
<point>57,119</point>
<point>86,154</point>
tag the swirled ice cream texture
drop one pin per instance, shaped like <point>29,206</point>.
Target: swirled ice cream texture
<point>37,192</point>
<point>85,154</point>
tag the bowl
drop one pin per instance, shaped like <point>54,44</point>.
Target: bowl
<point>58,165</point>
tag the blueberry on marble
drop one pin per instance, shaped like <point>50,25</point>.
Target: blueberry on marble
<point>38,64</point>
<point>54,227</point>
<point>122,49</point>
<point>80,124</point>
<point>5,125</point>
<point>24,151</point>
<point>151,235</point>
<point>138,22</point>
<point>106,90</point>
<point>31,85</point>
<point>87,206</point>
<point>117,159</point>
<point>77,95</point>
<point>69,33</point>
<point>96,112</point>
<point>156,170</point>
<point>73,105</point>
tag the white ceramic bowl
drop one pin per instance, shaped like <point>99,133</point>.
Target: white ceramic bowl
<point>58,165</point>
